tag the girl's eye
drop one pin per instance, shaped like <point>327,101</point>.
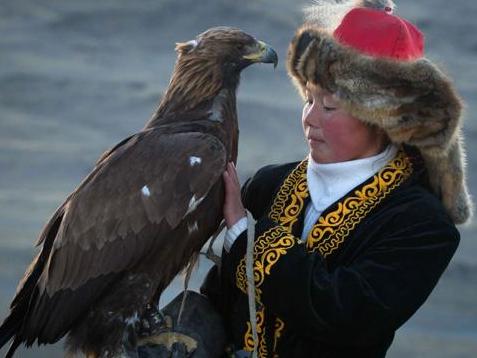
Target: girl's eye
<point>328,104</point>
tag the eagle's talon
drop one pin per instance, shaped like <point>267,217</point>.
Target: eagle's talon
<point>129,344</point>
<point>152,321</point>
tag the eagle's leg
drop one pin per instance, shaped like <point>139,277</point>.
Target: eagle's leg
<point>109,327</point>
<point>129,343</point>
<point>210,254</point>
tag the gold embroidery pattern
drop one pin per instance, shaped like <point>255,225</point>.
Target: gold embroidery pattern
<point>330,231</point>
<point>241,276</point>
<point>268,249</point>
<point>326,236</point>
<point>279,326</point>
<point>249,343</point>
<point>290,198</point>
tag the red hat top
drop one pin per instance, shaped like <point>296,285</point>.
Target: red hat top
<point>380,34</point>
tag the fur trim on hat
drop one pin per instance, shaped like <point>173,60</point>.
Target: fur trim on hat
<point>412,101</point>
<point>328,14</point>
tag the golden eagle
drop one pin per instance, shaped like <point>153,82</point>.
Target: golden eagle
<point>144,211</point>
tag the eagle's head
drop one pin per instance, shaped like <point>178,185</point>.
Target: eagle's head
<point>230,48</point>
<point>208,64</point>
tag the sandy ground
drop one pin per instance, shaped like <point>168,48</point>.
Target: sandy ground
<point>77,77</point>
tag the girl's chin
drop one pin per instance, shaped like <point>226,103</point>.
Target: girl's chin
<point>319,156</point>
<point>322,155</point>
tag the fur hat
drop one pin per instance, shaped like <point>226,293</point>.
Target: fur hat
<point>392,87</point>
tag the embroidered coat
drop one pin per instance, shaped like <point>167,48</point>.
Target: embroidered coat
<point>370,261</point>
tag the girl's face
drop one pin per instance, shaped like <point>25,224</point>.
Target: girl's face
<point>332,134</point>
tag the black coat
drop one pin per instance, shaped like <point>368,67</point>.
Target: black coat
<point>373,258</point>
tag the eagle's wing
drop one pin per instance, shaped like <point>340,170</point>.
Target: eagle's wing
<point>154,178</point>
<point>135,194</point>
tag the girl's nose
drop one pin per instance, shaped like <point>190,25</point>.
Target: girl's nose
<point>313,115</point>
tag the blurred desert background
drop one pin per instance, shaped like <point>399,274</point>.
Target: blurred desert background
<point>78,76</point>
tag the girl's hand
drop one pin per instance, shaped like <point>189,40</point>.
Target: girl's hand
<point>233,208</point>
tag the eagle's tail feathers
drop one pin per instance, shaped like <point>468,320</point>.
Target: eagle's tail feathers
<point>8,329</point>
<point>13,347</point>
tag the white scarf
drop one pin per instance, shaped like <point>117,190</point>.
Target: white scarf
<point>329,182</point>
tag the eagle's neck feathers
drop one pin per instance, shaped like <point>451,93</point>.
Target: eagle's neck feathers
<point>194,85</point>
<point>202,91</point>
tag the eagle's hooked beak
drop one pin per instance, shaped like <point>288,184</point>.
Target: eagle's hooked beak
<point>265,54</point>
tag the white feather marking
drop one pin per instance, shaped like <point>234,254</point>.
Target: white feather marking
<point>191,227</point>
<point>132,320</point>
<point>194,160</point>
<point>193,43</point>
<point>145,190</point>
<point>193,204</point>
